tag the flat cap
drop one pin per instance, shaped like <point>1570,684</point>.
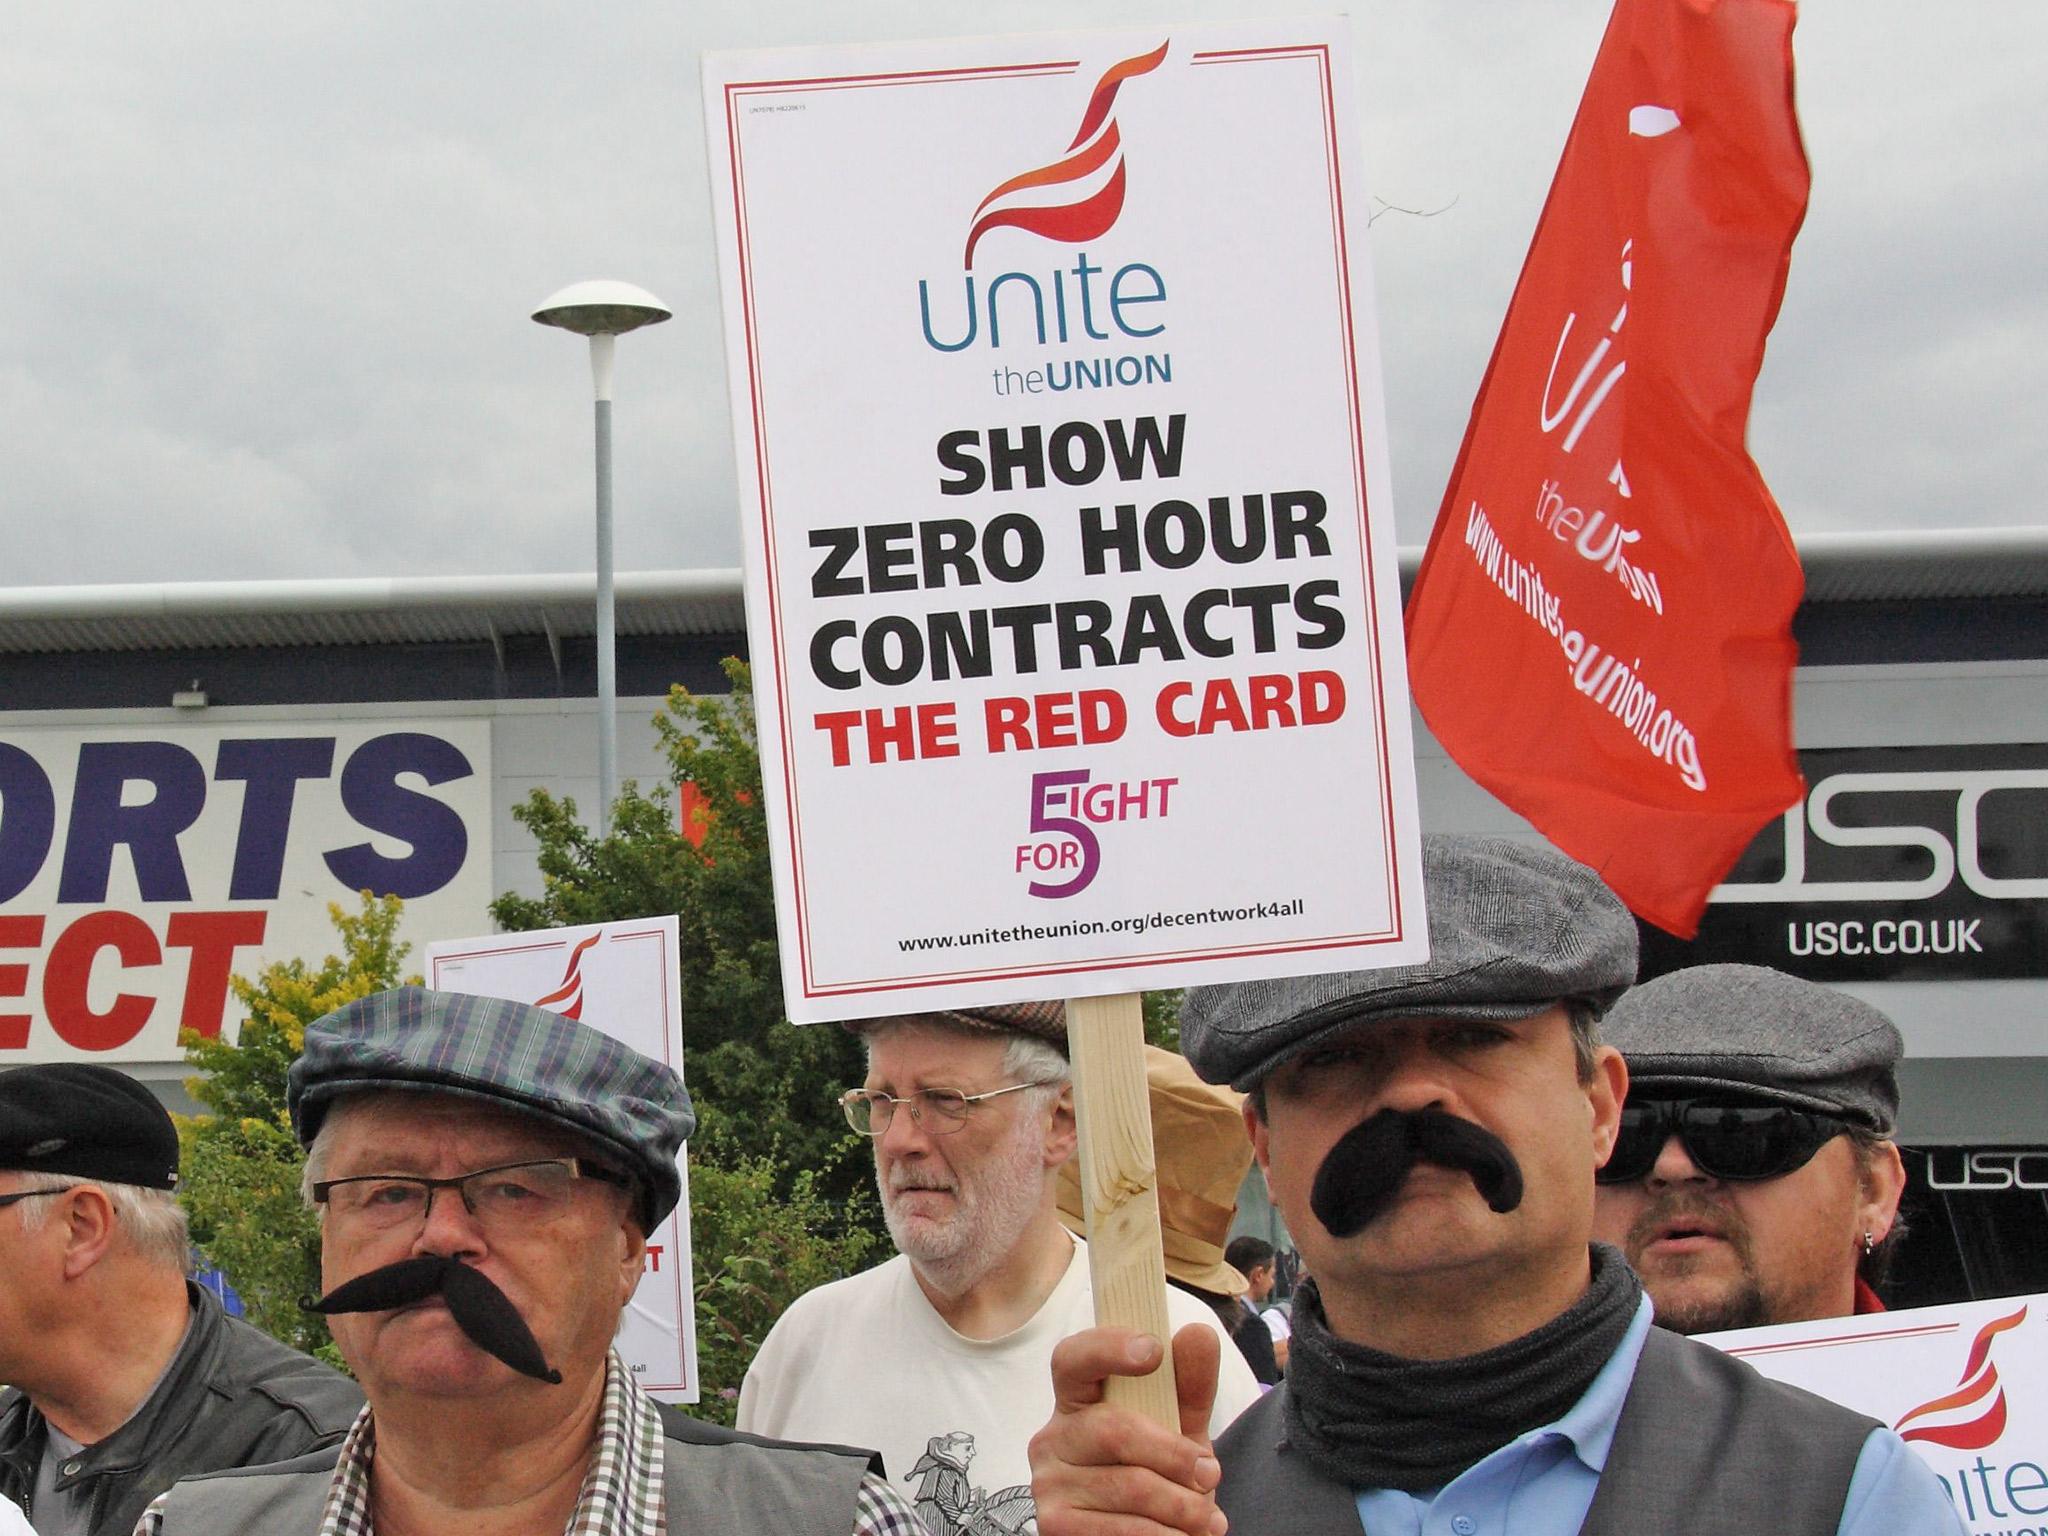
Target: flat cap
<point>1761,1034</point>
<point>1514,928</point>
<point>87,1121</point>
<point>510,1056</point>
<point>1042,1021</point>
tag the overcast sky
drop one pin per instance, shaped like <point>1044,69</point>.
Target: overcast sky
<point>267,267</point>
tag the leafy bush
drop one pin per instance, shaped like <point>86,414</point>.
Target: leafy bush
<point>242,1165</point>
<point>761,1239</point>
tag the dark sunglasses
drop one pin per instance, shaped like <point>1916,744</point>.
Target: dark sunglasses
<point>1724,1141</point>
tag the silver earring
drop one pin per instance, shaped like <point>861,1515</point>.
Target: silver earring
<point>1869,1245</point>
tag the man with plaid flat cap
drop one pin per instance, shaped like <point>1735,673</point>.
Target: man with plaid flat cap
<point>940,1356</point>
<point>486,1174</point>
<point>1464,1358</point>
<point>1755,1179</point>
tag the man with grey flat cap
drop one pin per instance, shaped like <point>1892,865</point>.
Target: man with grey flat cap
<point>125,1375</point>
<point>1754,1179</point>
<point>1464,1359</point>
<point>486,1174</point>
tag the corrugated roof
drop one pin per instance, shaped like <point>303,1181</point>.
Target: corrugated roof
<point>191,615</point>
<point>1840,568</point>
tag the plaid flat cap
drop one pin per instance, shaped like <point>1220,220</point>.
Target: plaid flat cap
<point>1514,928</point>
<point>88,1121</point>
<point>1042,1021</point>
<point>509,1055</point>
<point>1760,1034</point>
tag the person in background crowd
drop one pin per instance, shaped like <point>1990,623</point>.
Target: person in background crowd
<point>1754,1179</point>
<point>1465,1358</point>
<point>486,1175</point>
<point>1200,1156</point>
<point>1258,1261</point>
<point>125,1375</point>
<point>940,1355</point>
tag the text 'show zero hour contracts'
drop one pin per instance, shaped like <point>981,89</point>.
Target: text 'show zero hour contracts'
<point>1071,585</point>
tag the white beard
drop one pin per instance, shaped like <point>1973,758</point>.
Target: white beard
<point>992,1207</point>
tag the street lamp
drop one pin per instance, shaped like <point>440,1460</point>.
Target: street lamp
<point>604,311</point>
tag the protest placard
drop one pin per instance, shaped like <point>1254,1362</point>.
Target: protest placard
<point>1071,589</point>
<point>1965,1385</point>
<point>623,979</point>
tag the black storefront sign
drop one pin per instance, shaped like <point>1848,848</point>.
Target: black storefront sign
<point>1901,864</point>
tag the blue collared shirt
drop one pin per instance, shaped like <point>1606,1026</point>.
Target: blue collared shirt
<point>1542,1483</point>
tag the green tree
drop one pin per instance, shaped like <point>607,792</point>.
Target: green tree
<point>761,1239</point>
<point>241,1163</point>
<point>744,1056</point>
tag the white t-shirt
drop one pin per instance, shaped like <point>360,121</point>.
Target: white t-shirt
<point>12,1521</point>
<point>867,1361</point>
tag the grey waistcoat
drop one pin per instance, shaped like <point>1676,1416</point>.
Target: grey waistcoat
<point>718,1482</point>
<point>1704,1445</point>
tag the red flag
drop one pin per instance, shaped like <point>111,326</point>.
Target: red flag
<point>1601,633</point>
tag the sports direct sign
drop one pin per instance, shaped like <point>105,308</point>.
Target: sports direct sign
<point>141,867</point>
<point>1071,587</point>
<point>1966,1386</point>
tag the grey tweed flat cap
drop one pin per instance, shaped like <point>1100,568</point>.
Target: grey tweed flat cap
<point>1760,1034</point>
<point>1045,1021</point>
<point>1514,928</point>
<point>511,1056</point>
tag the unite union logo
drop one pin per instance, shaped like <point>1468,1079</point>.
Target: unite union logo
<point>1954,1419</point>
<point>567,999</point>
<point>1092,198</point>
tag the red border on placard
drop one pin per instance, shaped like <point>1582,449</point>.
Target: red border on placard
<point>1319,55</point>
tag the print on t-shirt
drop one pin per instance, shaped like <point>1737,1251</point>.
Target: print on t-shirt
<point>949,1505</point>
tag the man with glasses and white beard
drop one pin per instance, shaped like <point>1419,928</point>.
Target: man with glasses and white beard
<point>486,1175</point>
<point>1754,1179</point>
<point>940,1357</point>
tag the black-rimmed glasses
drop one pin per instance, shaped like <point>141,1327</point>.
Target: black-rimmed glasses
<point>937,1111</point>
<point>508,1196</point>
<point>1739,1142</point>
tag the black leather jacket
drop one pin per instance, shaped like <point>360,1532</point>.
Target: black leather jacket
<point>233,1397</point>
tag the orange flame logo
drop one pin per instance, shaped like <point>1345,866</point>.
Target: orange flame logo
<point>569,995</point>
<point>1095,145</point>
<point>1979,1381</point>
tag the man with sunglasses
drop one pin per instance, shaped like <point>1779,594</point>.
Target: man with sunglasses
<point>1754,1179</point>
<point>486,1174</point>
<point>125,1375</point>
<point>1465,1360</point>
<point>939,1357</point>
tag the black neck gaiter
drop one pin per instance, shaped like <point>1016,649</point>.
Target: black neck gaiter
<point>1374,1420</point>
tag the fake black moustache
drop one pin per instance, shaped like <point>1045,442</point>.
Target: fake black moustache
<point>483,1312</point>
<point>1365,1170</point>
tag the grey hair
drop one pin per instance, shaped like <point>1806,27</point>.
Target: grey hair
<point>152,1218</point>
<point>1026,1058</point>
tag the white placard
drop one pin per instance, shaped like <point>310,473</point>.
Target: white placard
<point>1071,583</point>
<point>1966,1385</point>
<point>142,865</point>
<point>623,979</point>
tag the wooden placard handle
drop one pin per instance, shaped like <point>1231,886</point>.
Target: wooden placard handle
<point>1119,1194</point>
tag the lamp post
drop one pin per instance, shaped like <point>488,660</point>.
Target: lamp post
<point>604,311</point>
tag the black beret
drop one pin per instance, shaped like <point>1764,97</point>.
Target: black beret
<point>88,1121</point>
